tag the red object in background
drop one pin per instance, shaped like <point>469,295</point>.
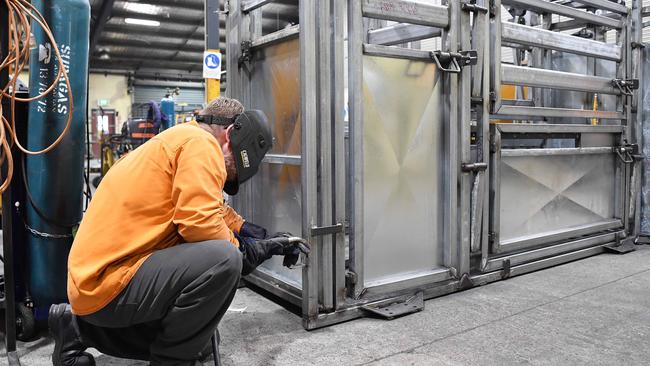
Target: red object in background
<point>103,120</point>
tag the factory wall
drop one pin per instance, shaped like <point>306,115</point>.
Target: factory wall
<point>114,89</point>
<point>111,87</point>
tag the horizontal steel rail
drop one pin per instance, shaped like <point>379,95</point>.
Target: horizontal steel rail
<point>514,112</point>
<point>542,78</point>
<point>401,33</point>
<point>558,249</point>
<point>542,6</point>
<point>578,23</point>
<point>538,128</point>
<point>536,37</point>
<point>406,12</point>
<point>250,5</point>
<point>396,52</point>
<point>604,5</point>
<point>283,159</point>
<point>276,37</point>
<point>557,151</point>
<point>426,278</point>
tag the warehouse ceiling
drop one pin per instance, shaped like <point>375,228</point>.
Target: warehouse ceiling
<point>169,46</point>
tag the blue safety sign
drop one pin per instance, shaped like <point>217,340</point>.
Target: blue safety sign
<point>212,64</point>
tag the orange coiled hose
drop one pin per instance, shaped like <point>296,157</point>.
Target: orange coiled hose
<point>21,16</point>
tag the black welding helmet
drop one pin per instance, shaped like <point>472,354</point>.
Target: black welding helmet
<point>250,140</point>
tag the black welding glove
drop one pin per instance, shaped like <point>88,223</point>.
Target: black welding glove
<point>256,251</point>
<point>251,230</point>
<point>292,254</point>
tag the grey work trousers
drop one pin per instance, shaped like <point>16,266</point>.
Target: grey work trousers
<point>172,306</point>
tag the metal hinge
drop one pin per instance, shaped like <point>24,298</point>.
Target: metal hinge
<point>226,8</point>
<point>326,230</point>
<point>637,45</point>
<point>472,7</point>
<point>493,9</point>
<point>473,167</point>
<point>492,237</point>
<point>245,53</point>
<point>351,279</point>
<point>454,62</point>
<point>626,86</point>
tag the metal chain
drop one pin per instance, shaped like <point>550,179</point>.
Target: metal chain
<point>46,235</point>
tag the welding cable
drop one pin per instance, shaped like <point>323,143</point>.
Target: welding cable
<point>21,15</point>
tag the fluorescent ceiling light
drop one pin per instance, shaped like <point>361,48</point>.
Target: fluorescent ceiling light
<point>148,23</point>
<point>143,8</point>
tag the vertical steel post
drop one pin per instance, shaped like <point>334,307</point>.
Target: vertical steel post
<point>452,144</point>
<point>355,105</point>
<point>309,120</point>
<point>637,102</point>
<point>324,86</point>
<point>338,123</point>
<point>484,128</point>
<point>212,86</point>
<point>464,123</point>
<point>495,59</point>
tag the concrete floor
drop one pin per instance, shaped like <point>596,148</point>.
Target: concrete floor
<point>590,312</point>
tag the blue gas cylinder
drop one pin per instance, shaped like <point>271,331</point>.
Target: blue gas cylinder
<point>167,107</point>
<point>55,179</point>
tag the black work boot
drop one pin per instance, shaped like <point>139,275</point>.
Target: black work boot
<point>68,349</point>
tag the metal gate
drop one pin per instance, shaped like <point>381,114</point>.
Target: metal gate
<point>436,183</point>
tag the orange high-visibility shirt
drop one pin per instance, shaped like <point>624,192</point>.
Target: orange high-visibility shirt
<point>166,192</point>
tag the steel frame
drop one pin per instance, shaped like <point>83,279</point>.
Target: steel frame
<point>333,287</point>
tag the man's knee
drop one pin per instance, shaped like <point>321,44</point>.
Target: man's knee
<point>227,257</point>
<point>233,260</point>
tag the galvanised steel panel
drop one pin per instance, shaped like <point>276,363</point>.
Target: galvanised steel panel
<point>554,192</point>
<point>402,171</point>
<point>276,193</point>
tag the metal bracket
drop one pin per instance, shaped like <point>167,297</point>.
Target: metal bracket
<point>505,272</point>
<point>246,54</point>
<point>326,230</point>
<point>453,62</point>
<point>465,282</point>
<point>621,246</point>
<point>637,45</point>
<point>626,86</point>
<point>397,307</point>
<point>471,7</point>
<point>473,167</point>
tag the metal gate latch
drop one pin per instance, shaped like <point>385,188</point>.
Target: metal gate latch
<point>245,53</point>
<point>628,153</point>
<point>626,86</point>
<point>326,230</point>
<point>454,62</point>
<point>473,167</point>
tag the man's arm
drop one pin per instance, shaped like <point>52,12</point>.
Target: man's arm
<point>233,219</point>
<point>200,212</point>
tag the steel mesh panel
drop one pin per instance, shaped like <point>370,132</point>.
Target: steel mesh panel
<point>276,193</point>
<point>402,149</point>
<point>554,192</point>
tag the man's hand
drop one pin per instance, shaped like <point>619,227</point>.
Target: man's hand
<point>256,251</point>
<point>250,230</point>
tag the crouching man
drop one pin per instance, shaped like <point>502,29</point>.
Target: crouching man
<point>158,256</point>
